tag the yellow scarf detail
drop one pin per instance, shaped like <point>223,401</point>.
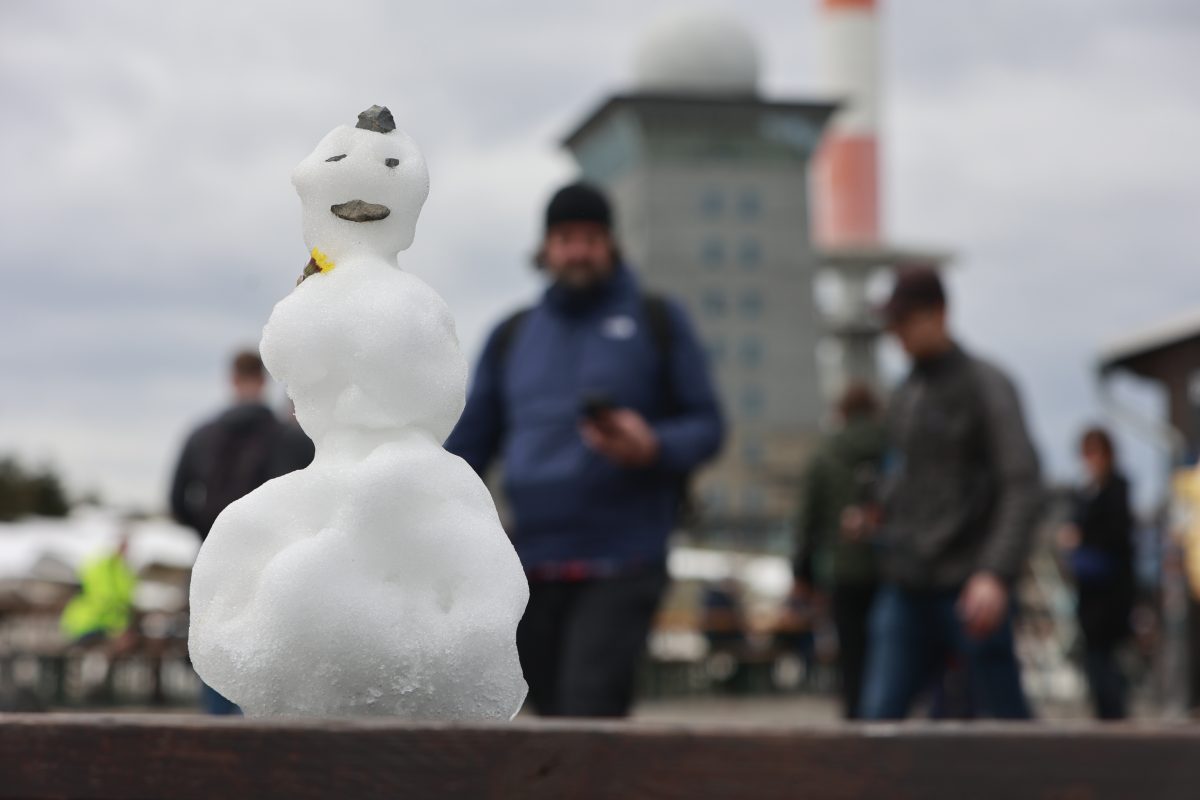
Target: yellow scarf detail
<point>323,261</point>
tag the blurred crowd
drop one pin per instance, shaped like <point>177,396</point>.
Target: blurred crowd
<point>918,510</point>
<point>917,521</point>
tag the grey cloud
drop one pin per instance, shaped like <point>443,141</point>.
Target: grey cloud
<point>148,212</point>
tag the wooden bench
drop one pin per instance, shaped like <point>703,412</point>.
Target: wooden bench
<point>45,756</point>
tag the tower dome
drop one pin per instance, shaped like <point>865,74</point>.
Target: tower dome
<point>697,52</point>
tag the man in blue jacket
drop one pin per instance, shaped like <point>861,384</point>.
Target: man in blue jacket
<point>598,403</point>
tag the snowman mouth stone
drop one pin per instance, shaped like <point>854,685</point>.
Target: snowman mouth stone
<point>360,211</point>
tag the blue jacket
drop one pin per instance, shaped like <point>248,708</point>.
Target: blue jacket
<point>569,503</point>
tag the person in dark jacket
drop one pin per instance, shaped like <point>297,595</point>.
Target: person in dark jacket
<point>234,453</point>
<point>598,404</point>
<point>230,456</point>
<point>835,559</point>
<point>960,502</point>
<point>1098,545</point>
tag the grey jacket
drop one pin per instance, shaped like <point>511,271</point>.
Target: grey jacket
<point>961,490</point>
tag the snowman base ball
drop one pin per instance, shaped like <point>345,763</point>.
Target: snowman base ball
<point>377,580</point>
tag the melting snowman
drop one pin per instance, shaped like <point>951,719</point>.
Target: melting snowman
<point>377,580</point>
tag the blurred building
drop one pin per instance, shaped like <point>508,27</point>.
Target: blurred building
<point>1168,356</point>
<point>848,213</point>
<point>711,183</point>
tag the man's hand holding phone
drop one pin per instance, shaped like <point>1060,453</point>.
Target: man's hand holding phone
<point>621,435</point>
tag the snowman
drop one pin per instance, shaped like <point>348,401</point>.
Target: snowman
<point>378,580</point>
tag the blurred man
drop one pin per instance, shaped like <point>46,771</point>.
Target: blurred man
<point>835,558</point>
<point>599,404</point>
<point>102,617</point>
<point>232,455</point>
<point>103,609</point>
<point>961,499</point>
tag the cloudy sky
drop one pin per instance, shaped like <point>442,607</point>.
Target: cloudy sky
<point>149,224</point>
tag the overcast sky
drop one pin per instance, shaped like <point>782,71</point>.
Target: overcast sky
<point>149,223</point>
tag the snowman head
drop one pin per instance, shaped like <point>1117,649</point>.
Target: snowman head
<point>362,189</point>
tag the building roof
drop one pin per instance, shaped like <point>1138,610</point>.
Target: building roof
<point>821,110</point>
<point>1167,333</point>
<point>871,256</point>
<point>697,51</point>
<point>869,327</point>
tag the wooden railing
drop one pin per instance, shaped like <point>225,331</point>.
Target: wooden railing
<point>117,756</point>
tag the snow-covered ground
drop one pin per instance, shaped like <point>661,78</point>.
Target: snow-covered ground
<point>39,552</point>
<point>53,549</point>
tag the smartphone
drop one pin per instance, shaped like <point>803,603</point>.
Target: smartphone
<point>595,406</point>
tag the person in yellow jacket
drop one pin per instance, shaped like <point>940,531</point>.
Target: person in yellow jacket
<point>104,607</point>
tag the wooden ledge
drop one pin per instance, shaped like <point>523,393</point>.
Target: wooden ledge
<point>142,756</point>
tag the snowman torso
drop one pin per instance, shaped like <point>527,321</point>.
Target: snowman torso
<point>366,346</point>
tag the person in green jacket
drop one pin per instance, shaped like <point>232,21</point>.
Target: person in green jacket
<point>835,560</point>
<point>103,609</point>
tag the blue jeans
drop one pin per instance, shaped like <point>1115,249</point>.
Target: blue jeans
<point>213,702</point>
<point>914,634</point>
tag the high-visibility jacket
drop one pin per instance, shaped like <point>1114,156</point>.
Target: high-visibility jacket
<point>106,601</point>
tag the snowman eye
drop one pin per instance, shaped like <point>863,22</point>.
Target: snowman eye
<point>391,162</point>
<point>335,158</point>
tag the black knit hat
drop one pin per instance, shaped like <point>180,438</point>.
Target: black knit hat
<point>578,202</point>
<point>916,289</point>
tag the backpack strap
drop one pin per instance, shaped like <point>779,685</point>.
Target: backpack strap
<point>658,318</point>
<point>507,332</point>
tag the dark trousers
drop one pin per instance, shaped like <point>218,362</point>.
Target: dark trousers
<point>580,642</point>
<point>1106,682</point>
<point>851,617</point>
<point>213,702</point>
<point>914,634</point>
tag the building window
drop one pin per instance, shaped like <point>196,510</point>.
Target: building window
<point>752,303</point>
<point>712,203</point>
<point>755,500</point>
<point>750,254</point>
<point>749,204</point>
<point>714,499</point>
<point>752,454</point>
<point>712,252</point>
<point>752,402</point>
<point>713,302</point>
<point>751,352</point>
<point>716,351</point>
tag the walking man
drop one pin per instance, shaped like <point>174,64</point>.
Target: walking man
<point>598,403</point>
<point>961,498</point>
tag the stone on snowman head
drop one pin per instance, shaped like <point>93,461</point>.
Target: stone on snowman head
<point>362,189</point>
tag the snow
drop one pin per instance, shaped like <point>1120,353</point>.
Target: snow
<point>54,549</point>
<point>38,551</point>
<point>766,576</point>
<point>378,580</point>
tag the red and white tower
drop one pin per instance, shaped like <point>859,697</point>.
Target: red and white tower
<point>847,213</point>
<point>847,170</point>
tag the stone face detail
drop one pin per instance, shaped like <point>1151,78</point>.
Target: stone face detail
<point>336,158</point>
<point>360,211</point>
<point>378,119</point>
